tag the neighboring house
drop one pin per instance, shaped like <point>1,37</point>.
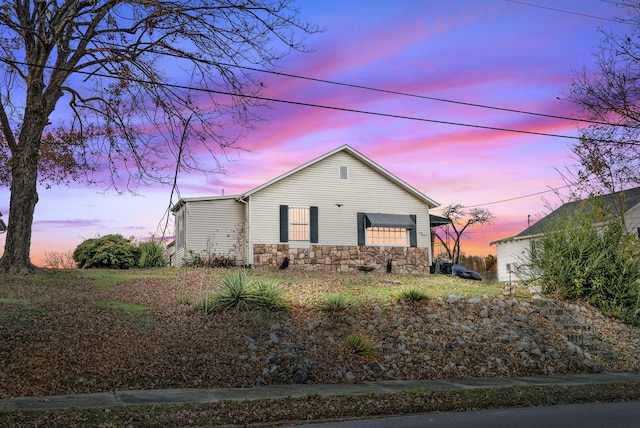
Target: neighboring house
<point>512,253</point>
<point>335,212</point>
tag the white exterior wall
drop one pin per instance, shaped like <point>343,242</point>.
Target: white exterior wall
<point>632,220</point>
<point>365,190</point>
<point>212,227</point>
<point>514,252</point>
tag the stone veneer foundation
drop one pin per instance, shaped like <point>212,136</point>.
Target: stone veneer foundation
<point>343,258</point>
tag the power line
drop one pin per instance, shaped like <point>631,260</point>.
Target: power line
<point>305,104</point>
<point>369,88</point>
<point>517,197</point>
<point>388,91</point>
<point>425,97</point>
<point>619,21</point>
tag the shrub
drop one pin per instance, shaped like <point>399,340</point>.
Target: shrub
<point>413,294</point>
<point>236,291</point>
<point>585,254</point>
<point>151,254</point>
<point>55,260</point>
<point>208,259</point>
<point>335,303</point>
<point>109,251</point>
<point>359,345</point>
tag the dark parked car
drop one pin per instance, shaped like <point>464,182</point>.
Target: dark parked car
<point>463,272</point>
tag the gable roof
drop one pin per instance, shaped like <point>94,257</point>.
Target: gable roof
<point>348,149</point>
<point>621,201</point>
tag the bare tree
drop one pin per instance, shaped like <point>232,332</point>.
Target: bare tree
<point>609,99</point>
<point>462,219</point>
<point>123,73</point>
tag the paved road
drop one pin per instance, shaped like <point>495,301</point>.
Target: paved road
<point>594,415</point>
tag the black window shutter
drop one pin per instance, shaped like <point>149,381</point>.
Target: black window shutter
<point>284,223</point>
<point>361,230</point>
<point>413,233</point>
<point>313,229</point>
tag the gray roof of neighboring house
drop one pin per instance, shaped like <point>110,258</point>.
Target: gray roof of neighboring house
<point>621,201</point>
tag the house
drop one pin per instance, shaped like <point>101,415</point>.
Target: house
<point>336,212</point>
<point>512,253</point>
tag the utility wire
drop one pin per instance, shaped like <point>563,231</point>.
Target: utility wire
<point>619,21</point>
<point>388,91</point>
<point>300,103</point>
<point>517,197</point>
<point>369,88</point>
<point>405,94</point>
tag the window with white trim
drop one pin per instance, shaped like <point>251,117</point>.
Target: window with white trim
<point>391,236</point>
<point>298,224</point>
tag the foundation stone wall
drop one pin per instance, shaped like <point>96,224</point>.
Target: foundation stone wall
<point>343,258</point>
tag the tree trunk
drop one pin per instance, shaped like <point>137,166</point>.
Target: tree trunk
<point>24,196</point>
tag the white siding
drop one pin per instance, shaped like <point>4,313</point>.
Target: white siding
<point>338,201</point>
<point>632,220</point>
<point>514,253</point>
<point>212,226</point>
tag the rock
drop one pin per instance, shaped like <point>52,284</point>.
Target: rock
<point>300,373</point>
<point>273,338</point>
<point>313,325</point>
<point>454,298</point>
<point>274,360</point>
<point>281,378</point>
<point>377,367</point>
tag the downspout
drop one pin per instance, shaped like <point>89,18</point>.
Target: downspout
<point>431,240</point>
<point>249,250</point>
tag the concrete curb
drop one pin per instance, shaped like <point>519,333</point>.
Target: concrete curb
<point>191,395</point>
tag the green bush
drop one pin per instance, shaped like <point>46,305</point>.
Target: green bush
<point>587,254</point>
<point>151,254</point>
<point>236,291</point>
<point>109,251</point>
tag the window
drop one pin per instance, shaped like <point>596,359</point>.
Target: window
<point>298,224</point>
<point>344,173</point>
<point>387,229</point>
<point>387,236</point>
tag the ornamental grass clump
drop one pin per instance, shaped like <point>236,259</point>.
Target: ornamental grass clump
<point>237,292</point>
<point>359,345</point>
<point>413,294</point>
<point>336,303</point>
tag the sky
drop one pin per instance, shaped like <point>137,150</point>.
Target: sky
<point>497,53</point>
